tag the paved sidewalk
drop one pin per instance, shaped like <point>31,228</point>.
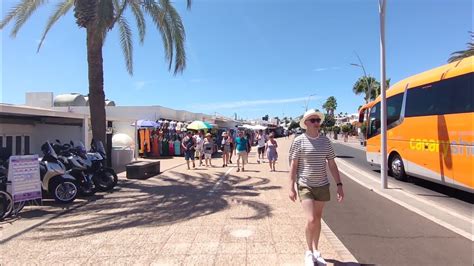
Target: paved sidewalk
<point>213,216</point>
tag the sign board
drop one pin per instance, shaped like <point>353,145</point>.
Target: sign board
<point>24,175</point>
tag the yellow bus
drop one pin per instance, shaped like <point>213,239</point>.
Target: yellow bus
<point>430,126</point>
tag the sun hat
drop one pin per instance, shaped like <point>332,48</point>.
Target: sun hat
<point>208,135</point>
<point>309,114</point>
<point>224,134</point>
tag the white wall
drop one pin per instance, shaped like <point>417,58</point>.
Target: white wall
<point>40,133</point>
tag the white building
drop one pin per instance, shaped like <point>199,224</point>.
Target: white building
<point>66,117</point>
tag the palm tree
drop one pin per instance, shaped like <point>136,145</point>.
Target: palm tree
<point>98,17</point>
<point>330,105</point>
<point>458,55</point>
<point>362,87</point>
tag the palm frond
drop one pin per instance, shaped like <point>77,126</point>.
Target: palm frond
<point>119,8</point>
<point>140,20</point>
<point>458,55</point>
<point>188,4</point>
<point>179,36</point>
<point>158,16</point>
<point>61,10</point>
<point>126,41</point>
<point>21,13</point>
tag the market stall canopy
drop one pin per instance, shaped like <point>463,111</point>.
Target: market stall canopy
<point>146,124</point>
<point>199,125</point>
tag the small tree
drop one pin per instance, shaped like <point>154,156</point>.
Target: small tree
<point>336,131</point>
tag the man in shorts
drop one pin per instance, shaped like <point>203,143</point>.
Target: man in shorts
<point>199,139</point>
<point>189,145</point>
<point>241,148</point>
<point>309,153</point>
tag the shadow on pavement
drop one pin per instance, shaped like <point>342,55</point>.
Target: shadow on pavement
<point>339,263</point>
<point>177,197</point>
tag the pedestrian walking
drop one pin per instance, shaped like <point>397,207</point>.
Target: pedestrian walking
<point>272,154</point>
<point>189,145</point>
<point>199,137</point>
<point>241,147</point>
<point>232,145</point>
<point>261,141</point>
<point>309,153</point>
<point>208,146</point>
<point>225,147</point>
<point>250,141</point>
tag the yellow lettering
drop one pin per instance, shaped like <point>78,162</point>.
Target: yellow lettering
<point>412,144</point>
<point>432,146</point>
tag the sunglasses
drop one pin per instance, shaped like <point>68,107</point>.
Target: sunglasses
<point>314,120</point>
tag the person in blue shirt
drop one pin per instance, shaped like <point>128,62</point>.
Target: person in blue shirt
<point>241,147</point>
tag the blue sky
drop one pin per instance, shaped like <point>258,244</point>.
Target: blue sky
<point>250,57</point>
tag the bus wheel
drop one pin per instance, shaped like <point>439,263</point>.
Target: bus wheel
<point>397,169</point>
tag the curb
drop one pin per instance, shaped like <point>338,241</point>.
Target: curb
<point>341,250</point>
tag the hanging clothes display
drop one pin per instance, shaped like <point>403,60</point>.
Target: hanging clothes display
<point>171,147</point>
<point>147,141</point>
<point>155,144</point>
<point>141,134</point>
<point>177,147</point>
<point>166,147</point>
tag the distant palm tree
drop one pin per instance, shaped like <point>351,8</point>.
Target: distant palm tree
<point>330,105</point>
<point>458,55</point>
<point>362,87</point>
<point>98,17</point>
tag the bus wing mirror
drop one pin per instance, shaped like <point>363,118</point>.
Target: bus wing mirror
<point>361,116</point>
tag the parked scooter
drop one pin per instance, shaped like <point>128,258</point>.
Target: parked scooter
<point>103,177</point>
<point>77,167</point>
<point>55,179</point>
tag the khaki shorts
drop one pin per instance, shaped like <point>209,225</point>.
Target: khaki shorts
<point>314,193</point>
<point>244,155</point>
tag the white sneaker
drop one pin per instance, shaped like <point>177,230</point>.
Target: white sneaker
<point>309,258</point>
<point>319,260</point>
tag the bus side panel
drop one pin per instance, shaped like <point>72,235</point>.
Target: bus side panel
<point>423,154</point>
<point>461,149</point>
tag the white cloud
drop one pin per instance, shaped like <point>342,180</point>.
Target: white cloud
<point>139,85</point>
<point>241,104</point>
<point>326,68</point>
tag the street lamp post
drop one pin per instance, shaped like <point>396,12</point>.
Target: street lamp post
<point>307,102</point>
<point>369,84</point>
<point>383,105</point>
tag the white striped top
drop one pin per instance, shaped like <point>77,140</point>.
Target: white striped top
<point>312,154</point>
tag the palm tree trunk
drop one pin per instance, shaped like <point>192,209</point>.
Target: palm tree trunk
<point>96,83</point>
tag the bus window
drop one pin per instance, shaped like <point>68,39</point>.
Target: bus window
<point>374,121</point>
<point>448,96</point>
<point>394,107</point>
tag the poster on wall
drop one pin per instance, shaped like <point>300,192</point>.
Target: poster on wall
<point>24,175</point>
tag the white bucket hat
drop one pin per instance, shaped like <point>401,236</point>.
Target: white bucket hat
<point>309,114</point>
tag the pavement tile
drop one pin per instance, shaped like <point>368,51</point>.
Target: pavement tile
<point>207,237</point>
<point>204,248</point>
<point>174,249</point>
<point>232,248</point>
<point>197,260</point>
<point>290,260</point>
<point>179,237</point>
<point>261,248</point>
<point>262,259</point>
<point>288,247</point>
<point>165,260</point>
<point>230,260</point>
